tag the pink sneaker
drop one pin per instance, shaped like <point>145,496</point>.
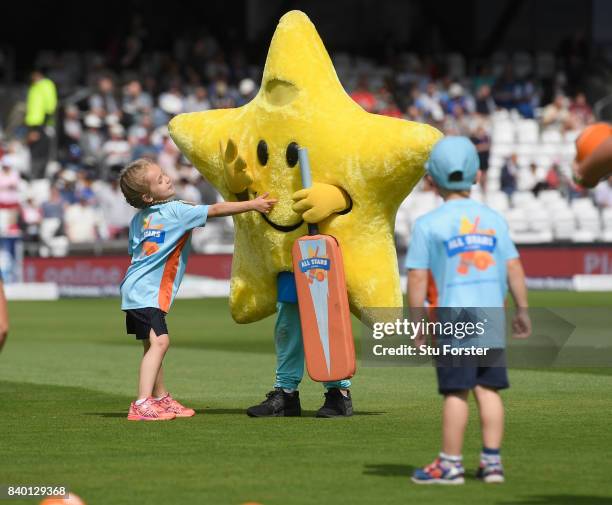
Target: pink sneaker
<point>170,405</point>
<point>148,410</point>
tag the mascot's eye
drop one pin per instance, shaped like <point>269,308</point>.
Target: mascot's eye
<point>262,152</point>
<point>292,154</point>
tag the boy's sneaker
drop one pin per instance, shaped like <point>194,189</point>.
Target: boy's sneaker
<point>169,404</point>
<point>439,473</point>
<point>277,404</point>
<point>149,410</point>
<point>336,404</point>
<point>491,474</point>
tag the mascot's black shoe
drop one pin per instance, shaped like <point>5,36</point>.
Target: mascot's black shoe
<point>336,404</point>
<point>277,404</point>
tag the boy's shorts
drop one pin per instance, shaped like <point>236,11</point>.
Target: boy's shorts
<point>141,321</point>
<point>461,373</point>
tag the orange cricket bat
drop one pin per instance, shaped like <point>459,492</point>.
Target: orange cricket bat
<point>323,301</point>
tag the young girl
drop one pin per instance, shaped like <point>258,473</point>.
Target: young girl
<point>159,244</point>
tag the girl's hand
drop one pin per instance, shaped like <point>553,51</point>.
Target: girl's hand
<point>263,204</point>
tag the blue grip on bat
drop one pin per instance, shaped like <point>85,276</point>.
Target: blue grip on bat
<point>304,167</point>
<point>313,229</point>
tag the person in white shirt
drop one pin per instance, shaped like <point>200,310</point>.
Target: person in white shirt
<point>84,223</point>
<point>603,193</point>
<point>9,184</point>
<point>116,150</point>
<point>116,211</point>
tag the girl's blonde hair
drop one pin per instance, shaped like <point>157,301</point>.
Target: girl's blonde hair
<point>132,183</point>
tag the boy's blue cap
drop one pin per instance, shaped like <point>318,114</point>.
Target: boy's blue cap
<point>453,163</point>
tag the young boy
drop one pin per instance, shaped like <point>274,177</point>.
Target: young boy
<point>159,243</point>
<point>465,250</point>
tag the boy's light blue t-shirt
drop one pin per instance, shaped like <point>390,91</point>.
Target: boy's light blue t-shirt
<point>159,242</point>
<point>465,245</point>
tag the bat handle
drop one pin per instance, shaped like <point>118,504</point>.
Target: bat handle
<point>313,229</point>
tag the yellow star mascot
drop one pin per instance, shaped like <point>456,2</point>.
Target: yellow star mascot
<point>363,166</point>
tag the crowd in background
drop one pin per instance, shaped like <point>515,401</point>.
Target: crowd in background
<point>113,109</point>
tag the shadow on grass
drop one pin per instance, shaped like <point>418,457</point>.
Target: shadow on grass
<point>559,499</point>
<point>106,414</point>
<point>388,470</point>
<point>305,413</point>
<point>241,412</point>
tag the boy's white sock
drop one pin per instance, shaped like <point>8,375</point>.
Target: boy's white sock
<point>288,391</point>
<point>490,456</point>
<point>451,460</point>
<point>140,401</point>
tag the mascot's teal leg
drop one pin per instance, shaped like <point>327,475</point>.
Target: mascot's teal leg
<point>289,347</point>
<point>290,350</point>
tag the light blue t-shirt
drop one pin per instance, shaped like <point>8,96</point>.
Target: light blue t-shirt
<point>465,245</point>
<point>159,242</point>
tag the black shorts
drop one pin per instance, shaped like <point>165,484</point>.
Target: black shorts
<point>141,321</point>
<point>461,373</point>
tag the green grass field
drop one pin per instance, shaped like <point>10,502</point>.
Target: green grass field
<point>68,373</point>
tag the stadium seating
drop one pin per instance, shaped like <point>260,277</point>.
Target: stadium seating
<point>548,217</point>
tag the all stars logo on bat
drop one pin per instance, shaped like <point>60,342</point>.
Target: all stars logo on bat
<point>310,263</point>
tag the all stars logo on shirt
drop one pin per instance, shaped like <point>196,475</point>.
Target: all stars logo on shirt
<point>474,246</point>
<point>153,235</point>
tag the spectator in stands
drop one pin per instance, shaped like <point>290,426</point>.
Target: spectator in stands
<point>531,180</point>
<point>557,115</point>
<point>116,151</point>
<point>30,218</point>
<point>556,179</point>
<point>40,109</point>
<point>603,193</point>
<point>413,113</point>
<point>385,103</point>
<point>509,174</point>
<point>185,190</point>
<point>504,91</point>
<point>484,77</point>
<point>104,101</point>
<point>247,90</point>
<point>9,184</point>
<point>168,156</point>
<point>66,184</point>
<point>526,99</point>
<point>363,96</point>
<point>484,104</point>
<point>430,103</point>
<point>581,111</point>
<point>72,125</point>
<point>54,206</point>
<point>84,223</point>
<point>116,211</point>
<point>136,102</point>
<point>92,141</point>
<point>140,133</point>
<point>458,123</point>
<point>84,187</point>
<point>221,97</point>
<point>198,100</point>
<point>458,97</point>
<point>170,104</point>
<point>482,141</point>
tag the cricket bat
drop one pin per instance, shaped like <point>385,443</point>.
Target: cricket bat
<point>322,299</point>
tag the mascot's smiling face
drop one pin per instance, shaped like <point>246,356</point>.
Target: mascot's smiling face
<point>252,149</point>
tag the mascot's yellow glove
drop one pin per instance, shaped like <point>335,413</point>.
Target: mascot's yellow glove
<point>319,202</point>
<point>236,176</point>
